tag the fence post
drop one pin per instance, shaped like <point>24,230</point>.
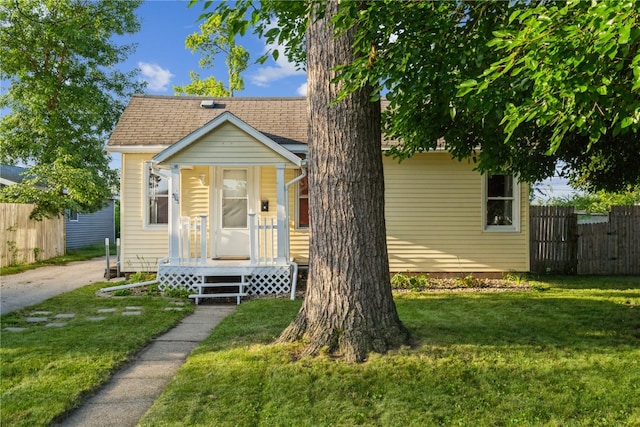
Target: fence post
<point>107,273</point>
<point>118,257</point>
<point>572,236</point>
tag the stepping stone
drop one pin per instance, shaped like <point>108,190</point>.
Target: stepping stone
<point>173,309</point>
<point>65,316</point>
<point>131,313</point>
<point>41,313</point>
<point>56,324</point>
<point>12,329</point>
<point>134,308</point>
<point>36,319</point>
<point>107,310</point>
<point>96,319</point>
<point>176,302</point>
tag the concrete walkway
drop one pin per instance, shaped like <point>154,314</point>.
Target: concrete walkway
<point>132,390</point>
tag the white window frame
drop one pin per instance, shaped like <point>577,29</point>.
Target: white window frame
<point>513,228</point>
<point>145,199</point>
<point>72,215</point>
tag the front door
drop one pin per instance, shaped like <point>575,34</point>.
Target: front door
<point>234,200</point>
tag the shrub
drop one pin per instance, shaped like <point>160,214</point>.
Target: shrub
<point>141,276</point>
<point>411,282</point>
<point>177,292</point>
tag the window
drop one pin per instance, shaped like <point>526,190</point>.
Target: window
<point>235,198</point>
<point>303,203</point>
<point>157,199</point>
<point>501,203</point>
<point>72,215</point>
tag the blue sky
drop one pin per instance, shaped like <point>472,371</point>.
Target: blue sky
<point>165,62</point>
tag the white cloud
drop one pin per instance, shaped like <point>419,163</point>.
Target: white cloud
<point>283,69</point>
<point>158,78</point>
<point>302,89</point>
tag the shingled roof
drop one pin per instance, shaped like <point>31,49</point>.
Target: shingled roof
<point>164,120</point>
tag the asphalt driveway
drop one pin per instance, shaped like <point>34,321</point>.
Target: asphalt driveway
<point>34,286</point>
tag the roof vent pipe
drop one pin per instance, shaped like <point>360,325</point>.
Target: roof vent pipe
<point>208,103</point>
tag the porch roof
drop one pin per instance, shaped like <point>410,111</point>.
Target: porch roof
<point>277,154</point>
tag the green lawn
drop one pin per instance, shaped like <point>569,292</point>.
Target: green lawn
<point>567,356</point>
<point>46,371</point>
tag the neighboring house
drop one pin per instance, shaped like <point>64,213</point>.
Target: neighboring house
<point>195,170</point>
<point>10,175</point>
<point>80,229</point>
<point>92,228</point>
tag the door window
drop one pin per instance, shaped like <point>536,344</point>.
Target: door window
<point>234,198</point>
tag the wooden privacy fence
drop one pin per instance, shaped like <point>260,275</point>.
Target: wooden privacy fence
<point>559,244</point>
<point>24,240</point>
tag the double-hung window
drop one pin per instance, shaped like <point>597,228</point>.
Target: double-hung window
<point>156,195</point>
<point>501,203</point>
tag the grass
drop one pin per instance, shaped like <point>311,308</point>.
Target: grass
<point>47,371</point>
<point>81,254</point>
<point>565,356</point>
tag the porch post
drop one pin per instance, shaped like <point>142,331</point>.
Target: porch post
<point>174,214</point>
<point>281,214</point>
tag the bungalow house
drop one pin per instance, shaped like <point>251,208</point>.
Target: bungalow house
<point>215,188</point>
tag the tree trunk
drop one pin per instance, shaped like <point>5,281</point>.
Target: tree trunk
<point>348,307</point>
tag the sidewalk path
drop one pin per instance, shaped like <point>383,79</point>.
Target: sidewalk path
<point>132,390</point>
<point>34,286</point>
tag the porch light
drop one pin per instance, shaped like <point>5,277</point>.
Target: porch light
<point>202,179</point>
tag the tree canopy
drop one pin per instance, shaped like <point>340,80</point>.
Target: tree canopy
<point>514,86</point>
<point>215,37</point>
<point>580,64</point>
<point>64,96</point>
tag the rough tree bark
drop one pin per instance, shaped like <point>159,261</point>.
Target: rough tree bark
<point>348,307</point>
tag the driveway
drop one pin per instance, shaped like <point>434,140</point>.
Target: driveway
<point>34,286</point>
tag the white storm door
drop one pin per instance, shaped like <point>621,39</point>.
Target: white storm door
<point>234,201</point>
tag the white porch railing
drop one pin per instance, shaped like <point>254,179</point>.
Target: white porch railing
<point>263,238</point>
<point>193,239</point>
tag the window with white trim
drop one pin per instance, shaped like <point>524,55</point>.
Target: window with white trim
<point>303,203</point>
<point>72,215</point>
<point>156,195</point>
<point>501,203</point>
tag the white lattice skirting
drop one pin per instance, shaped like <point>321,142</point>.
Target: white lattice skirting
<point>261,280</point>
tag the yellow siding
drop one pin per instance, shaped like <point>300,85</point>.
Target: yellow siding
<point>227,145</point>
<point>141,247</point>
<point>195,196</point>
<point>433,214</point>
<point>434,219</point>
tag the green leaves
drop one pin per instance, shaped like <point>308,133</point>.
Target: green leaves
<point>64,98</point>
<point>217,37</point>
<point>517,85</point>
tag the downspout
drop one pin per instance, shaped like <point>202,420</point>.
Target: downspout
<point>294,280</point>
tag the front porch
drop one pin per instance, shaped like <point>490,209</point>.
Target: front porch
<point>264,272</point>
<point>217,178</point>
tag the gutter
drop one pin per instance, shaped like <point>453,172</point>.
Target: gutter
<point>299,178</point>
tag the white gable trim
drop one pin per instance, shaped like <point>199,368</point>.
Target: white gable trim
<point>226,117</point>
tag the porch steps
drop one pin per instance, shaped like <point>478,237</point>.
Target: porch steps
<point>223,289</point>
